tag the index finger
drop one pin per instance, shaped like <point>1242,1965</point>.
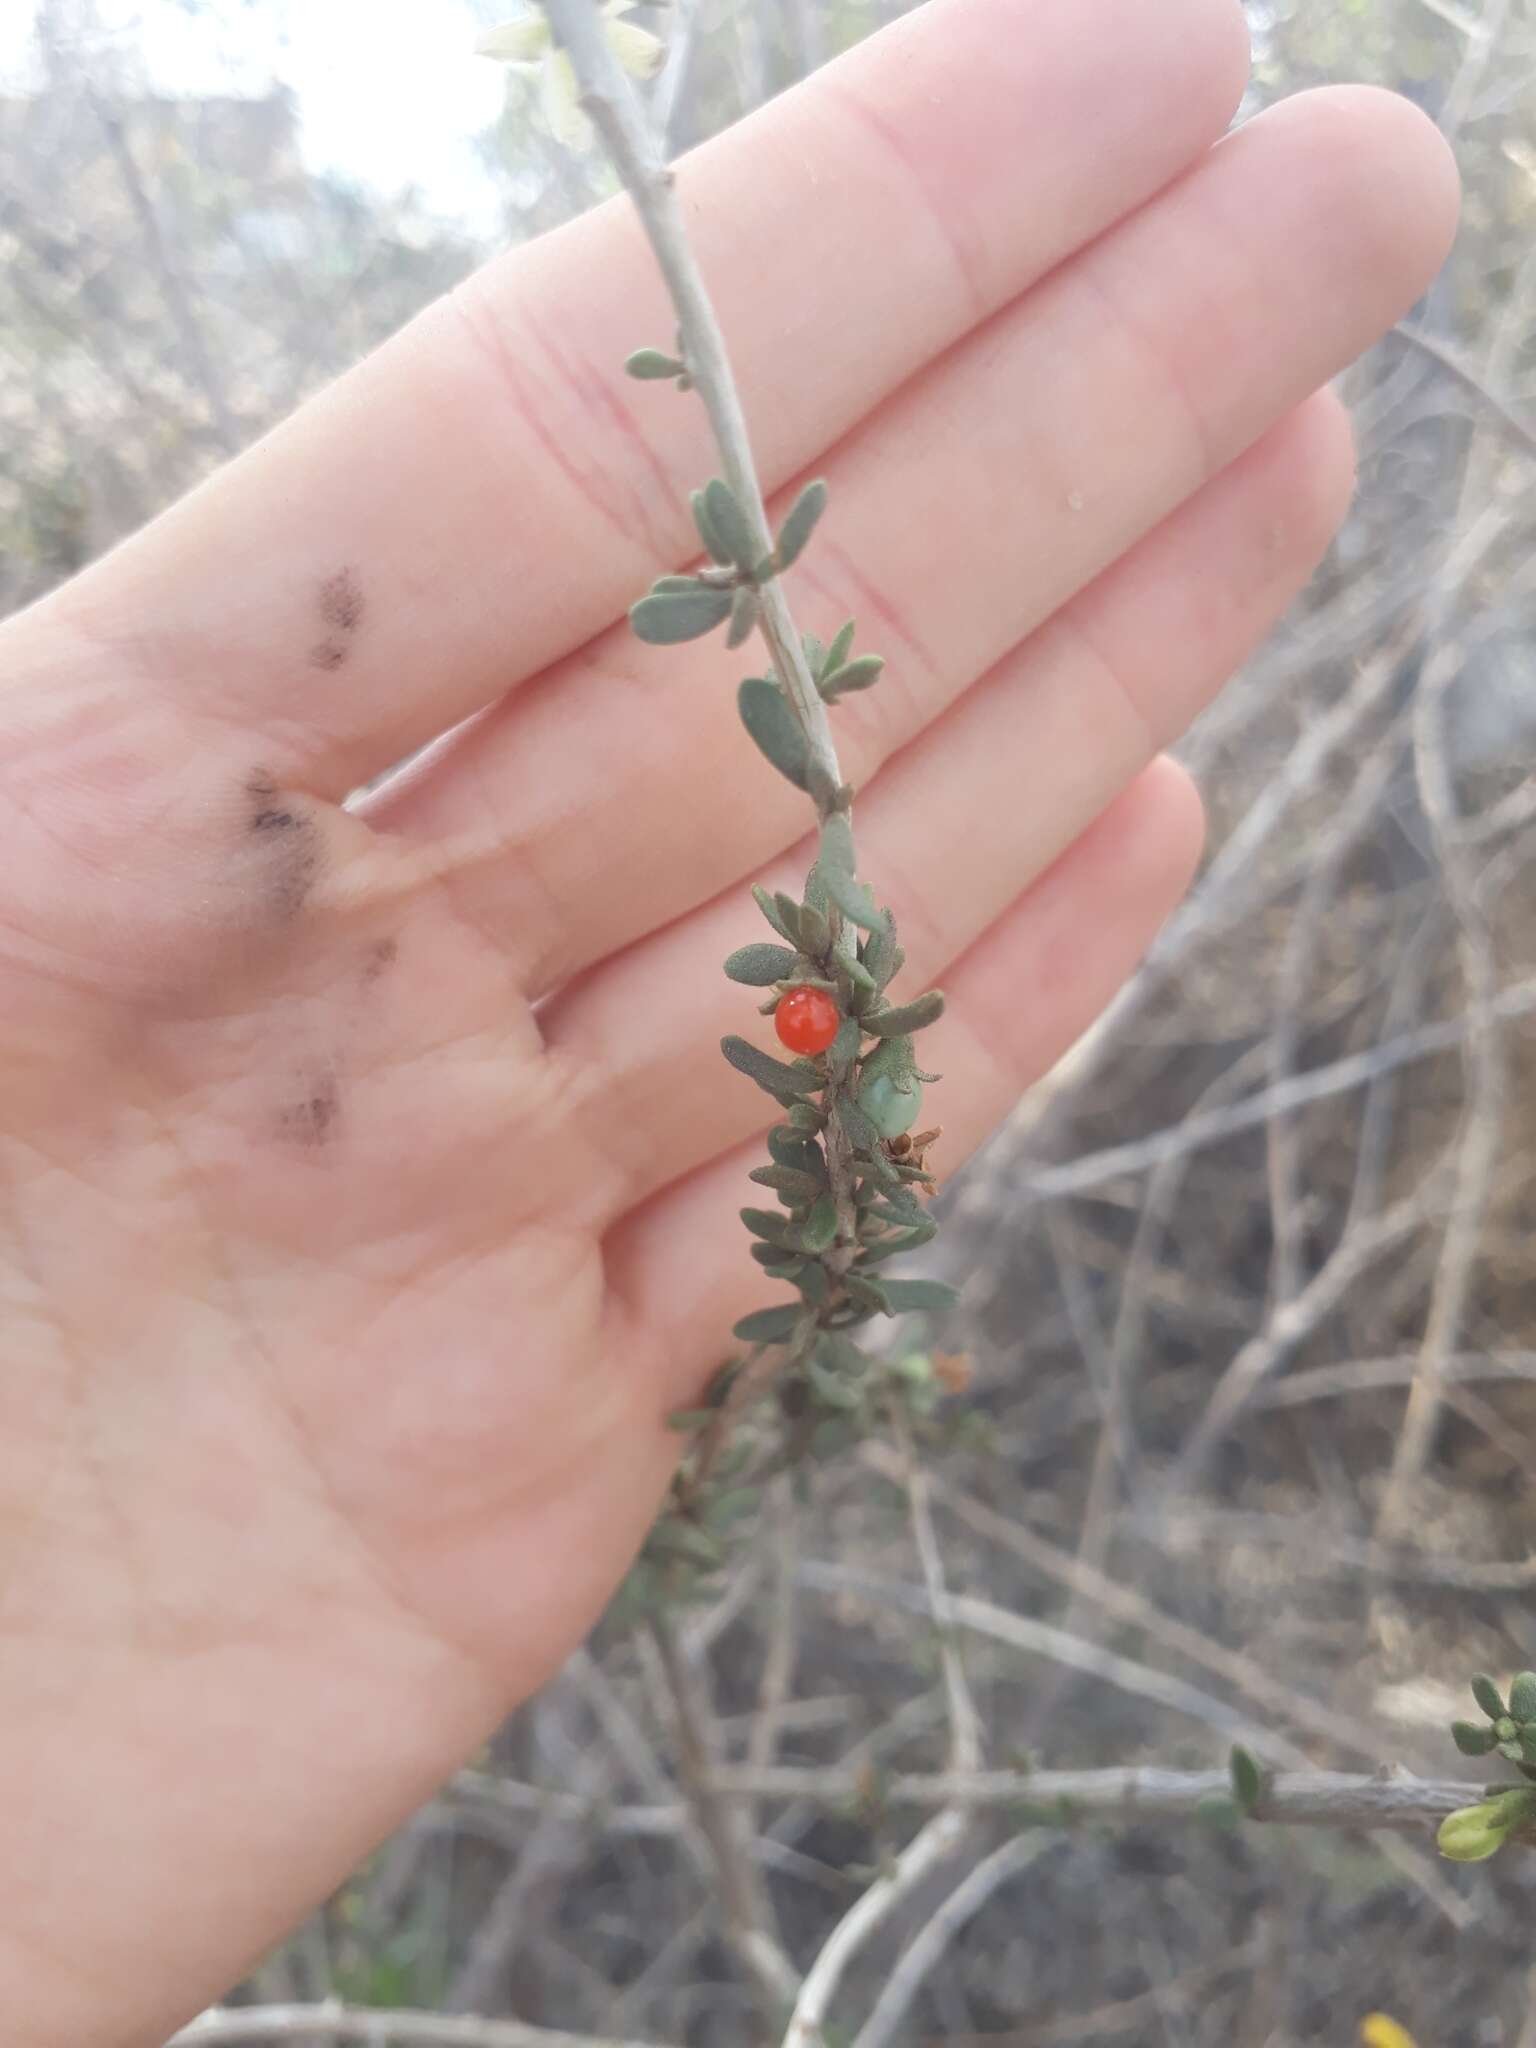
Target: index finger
<point>487,491</point>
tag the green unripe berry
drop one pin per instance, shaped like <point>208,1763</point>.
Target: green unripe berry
<point>890,1109</point>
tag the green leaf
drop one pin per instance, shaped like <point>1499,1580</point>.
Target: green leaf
<point>768,1325</point>
<point>799,522</point>
<point>1522,1696</point>
<point>902,1241</point>
<point>908,1295</point>
<point>767,1223</point>
<point>813,1283</point>
<point>785,1082</point>
<point>831,1389</point>
<point>768,905</point>
<point>815,653</point>
<point>857,674</point>
<point>805,1116</point>
<point>652,365</point>
<point>760,966</point>
<point>795,1186</point>
<point>772,1256</point>
<point>900,1207</point>
<point>1247,1778</point>
<point>836,859</point>
<point>845,1047</point>
<point>838,652</point>
<point>788,911</point>
<point>744,612</point>
<point>669,616</point>
<point>820,1227</point>
<point>666,583</point>
<point>896,1023</point>
<point>773,726</point>
<point>862,1134</point>
<point>855,900</point>
<point>815,931</point>
<point>1472,1738</point>
<point>1474,1833</point>
<point>1488,1696</point>
<point>794,1148</point>
<point>707,530</point>
<point>869,1291</point>
<point>723,510</point>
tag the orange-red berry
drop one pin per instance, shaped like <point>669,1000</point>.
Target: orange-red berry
<point>807,1019</point>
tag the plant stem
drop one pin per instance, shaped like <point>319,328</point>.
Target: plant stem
<point>638,158</point>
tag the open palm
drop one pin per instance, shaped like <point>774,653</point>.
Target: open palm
<point>370,1172</point>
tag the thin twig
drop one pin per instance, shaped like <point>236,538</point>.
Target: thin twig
<point>743,1900</point>
<point>374,2027</point>
<point>937,1932</point>
<point>641,164</point>
<point>1375,1801</point>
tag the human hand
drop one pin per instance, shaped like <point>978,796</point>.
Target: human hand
<point>370,1169</point>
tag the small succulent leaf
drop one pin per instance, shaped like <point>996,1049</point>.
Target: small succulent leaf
<point>1247,1778</point>
<point>767,1223</point>
<point>855,900</point>
<point>813,1282</point>
<point>770,1255</point>
<point>784,1082</point>
<point>772,725</point>
<point>820,1227</point>
<point>815,653</point>
<point>794,1148</point>
<point>805,1116</point>
<point>744,614</point>
<point>768,1325</point>
<point>831,1389</point>
<point>560,103</point>
<point>815,930</point>
<point>1472,1738</point>
<point>913,1016</point>
<point>789,915</point>
<point>724,511</point>
<point>667,617</point>
<point>906,1296</point>
<point>799,522</point>
<point>1474,1833</point>
<point>845,1046</point>
<point>639,52</point>
<point>516,42</point>
<point>836,860</point>
<point>902,1241</point>
<point>1488,1696</point>
<point>838,652</point>
<point>868,1291</point>
<point>652,365</point>
<point>665,583</point>
<point>708,533</point>
<point>761,965</point>
<point>769,907</point>
<point>1522,1696</point>
<point>788,1181</point>
<point>858,674</point>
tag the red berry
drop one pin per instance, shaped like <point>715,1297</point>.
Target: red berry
<point>807,1019</point>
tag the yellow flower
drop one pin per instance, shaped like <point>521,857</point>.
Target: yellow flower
<point>528,45</point>
<point>1377,2030</point>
